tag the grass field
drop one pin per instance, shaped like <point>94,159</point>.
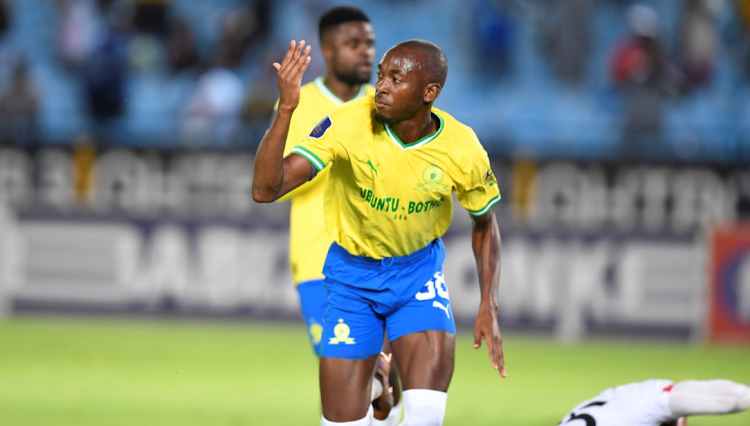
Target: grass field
<point>63,372</point>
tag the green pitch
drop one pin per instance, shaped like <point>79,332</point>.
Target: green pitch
<point>56,372</point>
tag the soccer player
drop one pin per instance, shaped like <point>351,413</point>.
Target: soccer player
<point>659,402</point>
<point>348,46</point>
<point>395,162</point>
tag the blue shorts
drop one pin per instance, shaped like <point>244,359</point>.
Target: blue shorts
<point>400,295</point>
<point>313,298</point>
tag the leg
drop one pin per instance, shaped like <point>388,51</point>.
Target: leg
<point>422,334</point>
<point>708,397</point>
<point>426,361</point>
<point>345,387</point>
<point>350,345</point>
<point>313,298</point>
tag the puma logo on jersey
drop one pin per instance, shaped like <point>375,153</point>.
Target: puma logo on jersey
<point>374,168</point>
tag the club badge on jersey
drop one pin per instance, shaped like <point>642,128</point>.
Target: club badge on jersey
<point>320,129</point>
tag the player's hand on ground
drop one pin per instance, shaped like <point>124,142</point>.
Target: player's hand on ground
<point>289,74</point>
<point>486,328</point>
<point>382,406</point>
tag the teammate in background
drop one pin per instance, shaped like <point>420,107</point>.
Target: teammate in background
<point>395,162</point>
<point>660,403</point>
<point>348,46</point>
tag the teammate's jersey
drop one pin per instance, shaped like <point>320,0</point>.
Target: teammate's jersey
<point>384,198</point>
<point>637,404</point>
<point>309,240</point>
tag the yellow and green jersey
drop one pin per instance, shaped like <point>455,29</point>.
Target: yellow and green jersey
<point>309,240</point>
<point>383,198</point>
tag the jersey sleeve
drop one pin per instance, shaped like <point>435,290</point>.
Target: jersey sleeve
<point>477,190</point>
<point>320,147</point>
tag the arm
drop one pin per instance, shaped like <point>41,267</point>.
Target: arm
<point>485,241</point>
<point>275,175</point>
<point>692,397</point>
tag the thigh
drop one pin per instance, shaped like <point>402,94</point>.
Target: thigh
<point>422,308</point>
<point>345,387</point>
<point>425,359</point>
<point>351,329</point>
<point>313,298</point>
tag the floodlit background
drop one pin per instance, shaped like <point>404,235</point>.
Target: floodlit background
<point>141,285</point>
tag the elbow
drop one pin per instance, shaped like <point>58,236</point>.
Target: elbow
<point>261,196</point>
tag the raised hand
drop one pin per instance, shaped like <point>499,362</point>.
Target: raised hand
<point>486,328</point>
<point>289,74</point>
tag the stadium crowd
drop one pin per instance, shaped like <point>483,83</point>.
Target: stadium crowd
<point>573,78</point>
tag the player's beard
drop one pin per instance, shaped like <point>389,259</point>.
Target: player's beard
<point>352,77</point>
<point>382,119</point>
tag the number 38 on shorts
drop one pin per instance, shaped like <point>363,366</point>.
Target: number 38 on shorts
<point>436,288</point>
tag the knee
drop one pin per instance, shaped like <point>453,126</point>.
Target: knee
<point>424,407</point>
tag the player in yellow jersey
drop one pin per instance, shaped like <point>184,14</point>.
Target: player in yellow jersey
<point>348,46</point>
<point>395,162</point>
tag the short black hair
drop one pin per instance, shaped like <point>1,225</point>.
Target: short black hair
<point>436,63</point>
<point>337,16</point>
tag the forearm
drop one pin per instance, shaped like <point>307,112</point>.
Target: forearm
<point>487,245</point>
<point>268,177</point>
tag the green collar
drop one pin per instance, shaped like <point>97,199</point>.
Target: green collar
<point>424,141</point>
<point>321,85</point>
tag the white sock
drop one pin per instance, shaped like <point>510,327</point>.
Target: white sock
<point>708,397</point>
<point>424,407</point>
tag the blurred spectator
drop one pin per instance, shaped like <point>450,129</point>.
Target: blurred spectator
<point>262,11</point>
<point>144,22</point>
<point>105,73</point>
<point>151,16</point>
<point>570,39</point>
<point>698,41</point>
<point>259,102</point>
<point>7,52</point>
<point>261,96</point>
<point>78,31</point>
<point>494,38</point>
<point>646,79</point>
<point>4,17</point>
<point>181,49</point>
<point>213,112</point>
<point>19,105</point>
<point>739,37</point>
<point>145,53</point>
<point>241,29</point>
<point>106,4</point>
